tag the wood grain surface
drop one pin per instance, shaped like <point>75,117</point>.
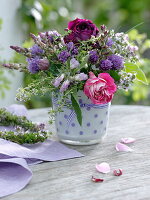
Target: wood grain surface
<point>71,179</point>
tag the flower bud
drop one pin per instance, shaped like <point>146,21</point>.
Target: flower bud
<point>43,64</point>
<point>74,63</point>
<point>65,86</point>
<point>70,46</point>
<point>58,80</point>
<point>81,77</point>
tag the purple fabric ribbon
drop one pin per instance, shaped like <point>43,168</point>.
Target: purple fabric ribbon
<point>14,159</point>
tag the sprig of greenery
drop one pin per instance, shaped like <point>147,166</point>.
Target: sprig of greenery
<point>24,137</point>
<point>8,119</point>
<point>35,88</point>
<point>24,131</point>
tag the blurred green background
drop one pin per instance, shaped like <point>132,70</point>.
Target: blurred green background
<point>121,15</point>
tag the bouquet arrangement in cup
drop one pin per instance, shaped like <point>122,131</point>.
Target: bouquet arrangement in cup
<point>95,60</point>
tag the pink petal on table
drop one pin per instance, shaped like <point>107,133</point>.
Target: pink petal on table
<point>123,147</point>
<point>128,140</point>
<point>103,168</point>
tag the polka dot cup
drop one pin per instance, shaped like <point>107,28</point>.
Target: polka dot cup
<point>94,123</point>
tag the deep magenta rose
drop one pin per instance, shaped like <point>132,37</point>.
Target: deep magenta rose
<point>100,89</point>
<point>82,29</point>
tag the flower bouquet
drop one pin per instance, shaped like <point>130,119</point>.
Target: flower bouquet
<point>82,69</point>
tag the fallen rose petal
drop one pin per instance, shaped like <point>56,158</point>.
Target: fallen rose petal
<point>123,147</point>
<point>97,179</point>
<point>128,140</point>
<point>117,172</point>
<point>103,168</point>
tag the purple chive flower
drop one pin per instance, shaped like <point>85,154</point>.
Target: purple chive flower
<point>63,56</point>
<point>106,65</point>
<point>74,63</point>
<point>36,50</point>
<point>58,80</point>
<point>93,57</point>
<point>81,77</point>
<point>117,61</point>
<point>43,64</point>
<point>110,42</point>
<point>64,86</point>
<point>33,65</point>
<point>74,51</point>
<point>70,46</point>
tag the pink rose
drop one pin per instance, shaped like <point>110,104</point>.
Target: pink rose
<point>100,89</point>
<point>82,29</point>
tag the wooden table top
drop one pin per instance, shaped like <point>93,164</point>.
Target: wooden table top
<point>71,179</point>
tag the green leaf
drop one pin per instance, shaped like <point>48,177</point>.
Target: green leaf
<point>77,108</point>
<point>114,75</point>
<point>133,68</point>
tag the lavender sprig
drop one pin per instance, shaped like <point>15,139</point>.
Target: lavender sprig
<point>24,131</point>
<point>38,41</point>
<point>24,51</point>
<point>15,66</point>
